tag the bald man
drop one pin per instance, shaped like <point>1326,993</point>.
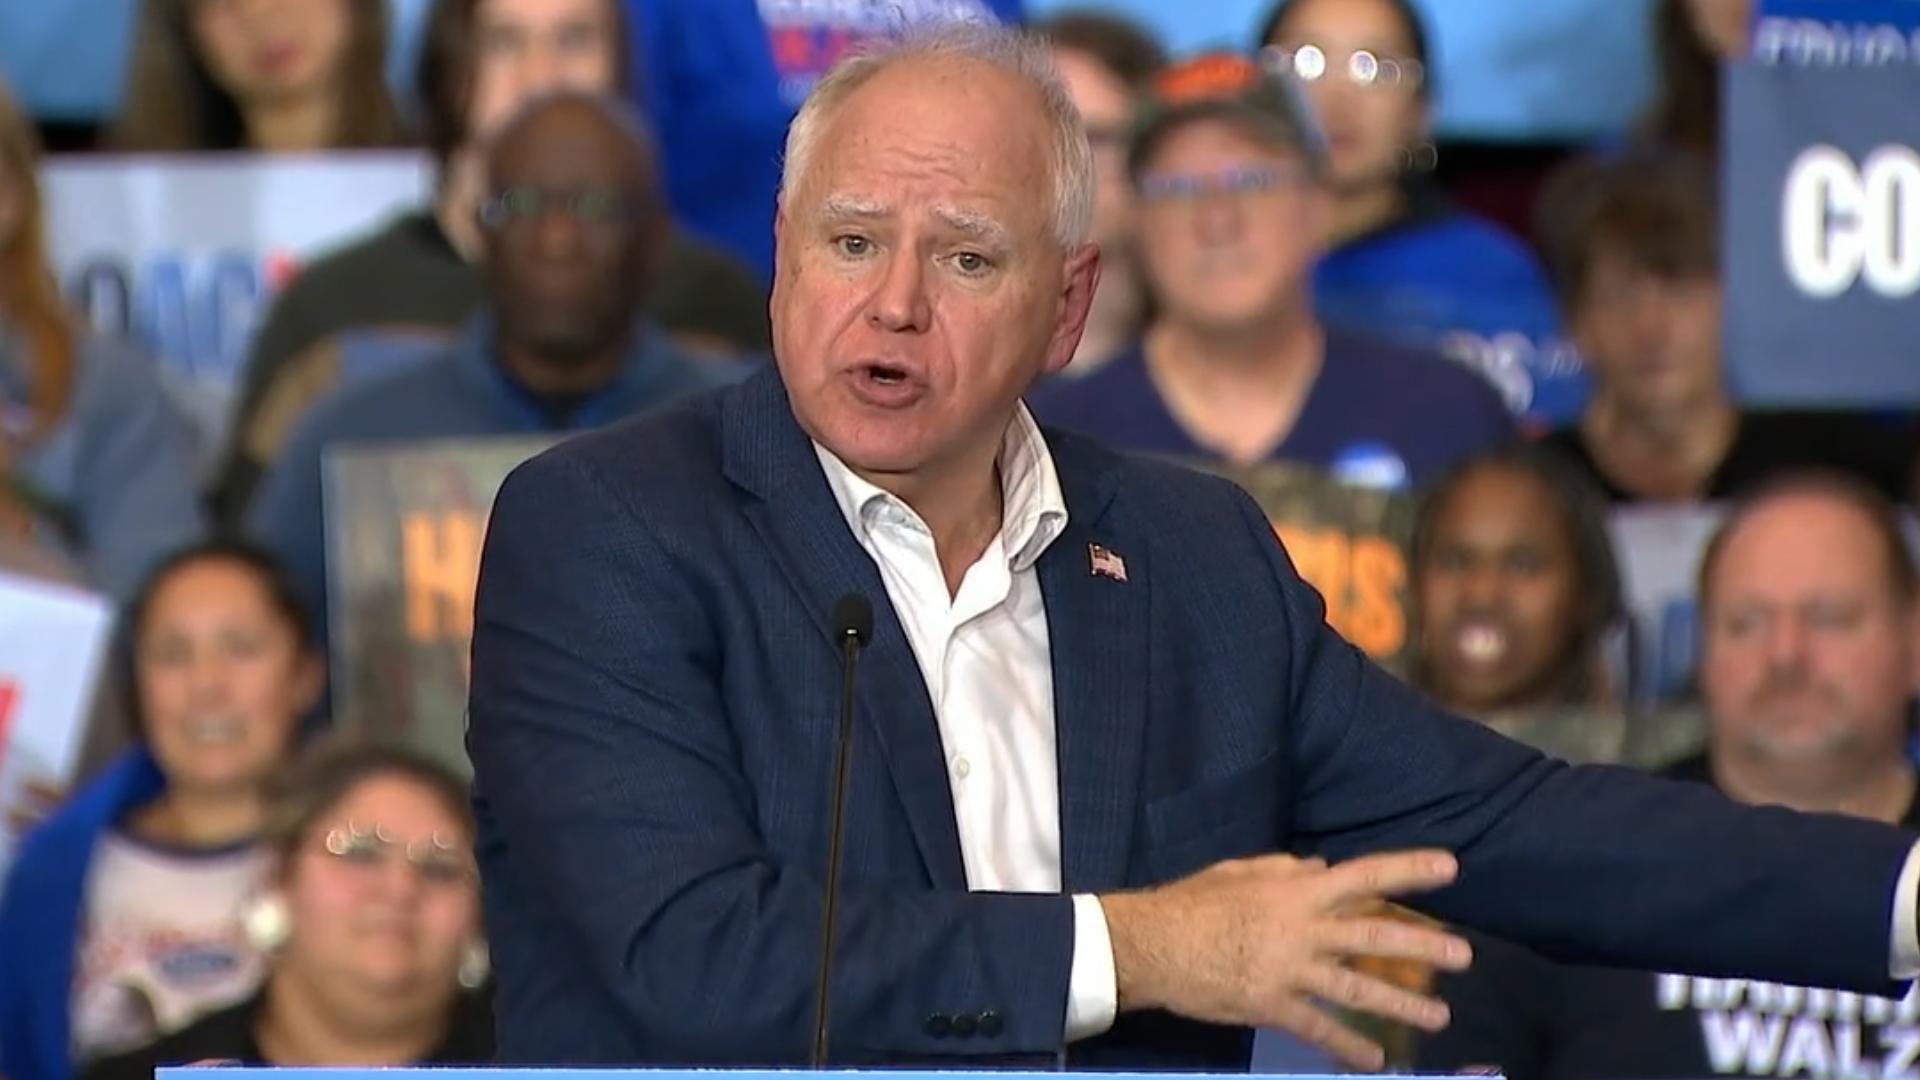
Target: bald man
<point>574,231</point>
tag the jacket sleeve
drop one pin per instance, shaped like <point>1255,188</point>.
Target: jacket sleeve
<point>1692,881</point>
<point>603,746</point>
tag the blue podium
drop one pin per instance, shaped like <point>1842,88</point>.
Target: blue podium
<point>235,1072</point>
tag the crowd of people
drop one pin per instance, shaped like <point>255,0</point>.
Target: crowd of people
<point>1283,279</point>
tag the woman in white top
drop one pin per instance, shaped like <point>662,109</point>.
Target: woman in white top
<point>120,921</point>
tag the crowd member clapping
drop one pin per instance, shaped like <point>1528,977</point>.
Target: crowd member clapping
<point>1811,650</point>
<point>258,75</point>
<point>121,917</point>
<point>1516,593</point>
<point>1633,241</point>
<point>1106,63</point>
<point>1233,186</point>
<point>1401,258</point>
<point>96,462</point>
<point>369,917</point>
<point>482,60</point>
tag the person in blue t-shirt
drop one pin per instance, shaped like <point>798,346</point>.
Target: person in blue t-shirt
<point>1403,260</point>
<point>1232,185</point>
<point>722,78</point>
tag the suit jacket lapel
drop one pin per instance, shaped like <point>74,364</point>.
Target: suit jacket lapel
<point>796,516</point>
<point>1097,629</point>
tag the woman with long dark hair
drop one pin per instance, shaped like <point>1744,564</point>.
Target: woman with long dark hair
<point>271,75</point>
<point>121,918</point>
<point>1401,258</point>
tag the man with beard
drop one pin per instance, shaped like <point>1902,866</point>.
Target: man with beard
<point>1811,651</point>
<point>574,229</point>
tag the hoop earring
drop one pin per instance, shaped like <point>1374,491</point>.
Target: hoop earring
<point>475,965</point>
<point>266,923</point>
<point>1423,157</point>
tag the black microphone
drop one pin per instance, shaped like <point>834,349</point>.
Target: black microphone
<point>852,628</point>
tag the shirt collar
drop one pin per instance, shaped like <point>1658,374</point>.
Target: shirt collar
<point>1033,506</point>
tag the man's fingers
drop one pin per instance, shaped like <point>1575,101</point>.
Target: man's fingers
<point>1392,873</point>
<point>1397,939</point>
<point>1351,989</point>
<point>1354,1050</point>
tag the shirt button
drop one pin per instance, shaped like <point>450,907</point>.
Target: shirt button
<point>962,768</point>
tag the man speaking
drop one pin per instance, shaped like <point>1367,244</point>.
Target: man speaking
<point>1097,710</point>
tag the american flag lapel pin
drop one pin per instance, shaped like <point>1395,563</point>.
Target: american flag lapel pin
<point>1104,563</point>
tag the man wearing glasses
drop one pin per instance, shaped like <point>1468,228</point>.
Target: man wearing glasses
<point>1231,178</point>
<point>574,231</point>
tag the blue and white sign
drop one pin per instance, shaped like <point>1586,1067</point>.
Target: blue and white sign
<point>1822,237</point>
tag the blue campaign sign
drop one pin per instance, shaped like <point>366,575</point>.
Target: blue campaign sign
<point>1822,205</point>
<point>1898,13</point>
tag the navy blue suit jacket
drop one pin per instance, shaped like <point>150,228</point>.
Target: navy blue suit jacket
<point>652,731</point>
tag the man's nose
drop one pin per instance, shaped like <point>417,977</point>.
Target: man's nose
<point>1786,643</point>
<point>557,230</point>
<point>899,303</point>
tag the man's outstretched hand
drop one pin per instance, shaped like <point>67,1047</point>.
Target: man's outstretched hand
<point>1265,942</point>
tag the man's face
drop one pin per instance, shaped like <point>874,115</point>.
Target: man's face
<point>1106,109</point>
<point>1498,589</point>
<point>1653,342</point>
<point>919,288</point>
<point>1808,655</point>
<point>571,233</point>
<point>525,48</point>
<point>1229,226</point>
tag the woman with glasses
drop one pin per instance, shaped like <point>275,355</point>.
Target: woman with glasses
<point>1401,259</point>
<point>370,919</point>
<point>121,920</point>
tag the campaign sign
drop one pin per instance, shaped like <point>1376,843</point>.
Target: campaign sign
<point>53,640</point>
<point>1822,205</point>
<point>1350,542</point>
<point>405,526</point>
<point>182,253</point>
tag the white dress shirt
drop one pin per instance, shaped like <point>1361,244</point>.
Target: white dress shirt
<point>984,654</point>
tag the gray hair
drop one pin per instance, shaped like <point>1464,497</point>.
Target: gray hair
<point>1012,51</point>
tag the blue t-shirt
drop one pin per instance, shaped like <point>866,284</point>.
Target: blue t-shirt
<point>1380,414</point>
<point>1453,282</point>
<point>722,78</point>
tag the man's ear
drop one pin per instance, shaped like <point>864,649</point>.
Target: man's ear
<point>1080,280</point>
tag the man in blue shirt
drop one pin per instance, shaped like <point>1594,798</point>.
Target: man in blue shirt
<point>1231,177</point>
<point>574,231</point>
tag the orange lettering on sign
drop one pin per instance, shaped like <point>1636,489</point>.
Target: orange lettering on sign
<point>440,562</point>
<point>1360,579</point>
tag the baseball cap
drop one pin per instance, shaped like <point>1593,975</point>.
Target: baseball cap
<point>1228,85</point>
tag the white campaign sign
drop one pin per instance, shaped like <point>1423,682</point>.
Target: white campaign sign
<point>182,253</point>
<point>53,640</point>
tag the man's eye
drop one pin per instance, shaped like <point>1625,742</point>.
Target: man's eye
<point>972,263</point>
<point>853,245</point>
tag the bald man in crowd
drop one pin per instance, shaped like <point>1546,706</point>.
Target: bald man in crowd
<point>574,230</point>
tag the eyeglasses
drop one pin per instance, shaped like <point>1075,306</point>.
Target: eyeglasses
<point>438,860</point>
<point>1361,67</point>
<point>1183,189</point>
<point>590,206</point>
